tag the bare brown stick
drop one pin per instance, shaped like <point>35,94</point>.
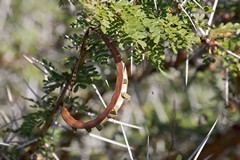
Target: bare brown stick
<point>80,61</point>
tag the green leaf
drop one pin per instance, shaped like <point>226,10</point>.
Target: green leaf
<point>174,48</point>
<point>142,43</point>
<point>83,86</point>
<point>156,39</point>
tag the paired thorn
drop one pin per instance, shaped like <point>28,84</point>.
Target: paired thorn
<point>99,127</point>
<point>125,96</point>
<point>88,130</point>
<point>112,114</point>
<point>125,81</point>
<point>74,130</point>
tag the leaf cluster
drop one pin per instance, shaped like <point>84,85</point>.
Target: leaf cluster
<point>147,31</point>
<point>225,39</point>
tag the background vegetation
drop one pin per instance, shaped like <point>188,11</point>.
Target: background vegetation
<point>181,78</point>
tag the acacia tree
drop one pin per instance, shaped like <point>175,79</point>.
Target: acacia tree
<point>154,36</point>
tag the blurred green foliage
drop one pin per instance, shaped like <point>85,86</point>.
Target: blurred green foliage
<point>175,117</point>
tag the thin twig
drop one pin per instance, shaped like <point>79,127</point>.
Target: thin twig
<point>9,123</point>
<point>30,88</point>
<point>4,11</point>
<point>80,60</point>
<point>14,117</point>
<point>172,129</point>
<point>46,126</point>
<point>27,143</point>
<point>5,117</point>
<point>55,122</point>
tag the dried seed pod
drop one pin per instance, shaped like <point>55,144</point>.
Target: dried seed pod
<point>116,100</point>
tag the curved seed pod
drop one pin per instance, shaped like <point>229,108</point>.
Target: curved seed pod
<point>123,91</point>
<point>120,87</point>
<point>120,99</point>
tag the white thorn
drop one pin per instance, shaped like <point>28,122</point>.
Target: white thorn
<point>108,140</point>
<point>186,76</point>
<point>4,144</point>
<point>124,124</point>
<point>205,140</point>
<point>9,93</point>
<point>226,88</point>
<point>211,16</point>
<point>198,4</point>
<point>181,6</point>
<point>126,141</point>
<point>99,95</point>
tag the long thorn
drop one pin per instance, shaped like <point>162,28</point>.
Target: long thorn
<point>148,147</point>
<point>5,117</point>
<point>99,95</point>
<point>108,140</point>
<point>9,93</point>
<point>211,16</point>
<point>205,140</point>
<point>181,6</point>
<point>187,69</point>
<point>55,156</point>
<point>124,124</point>
<point>131,60</point>
<point>226,88</point>
<point>4,144</point>
<point>231,53</point>
<point>29,60</point>
<point>126,141</point>
<point>198,4</point>
<point>155,4</point>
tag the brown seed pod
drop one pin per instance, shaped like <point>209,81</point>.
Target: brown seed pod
<point>116,100</point>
